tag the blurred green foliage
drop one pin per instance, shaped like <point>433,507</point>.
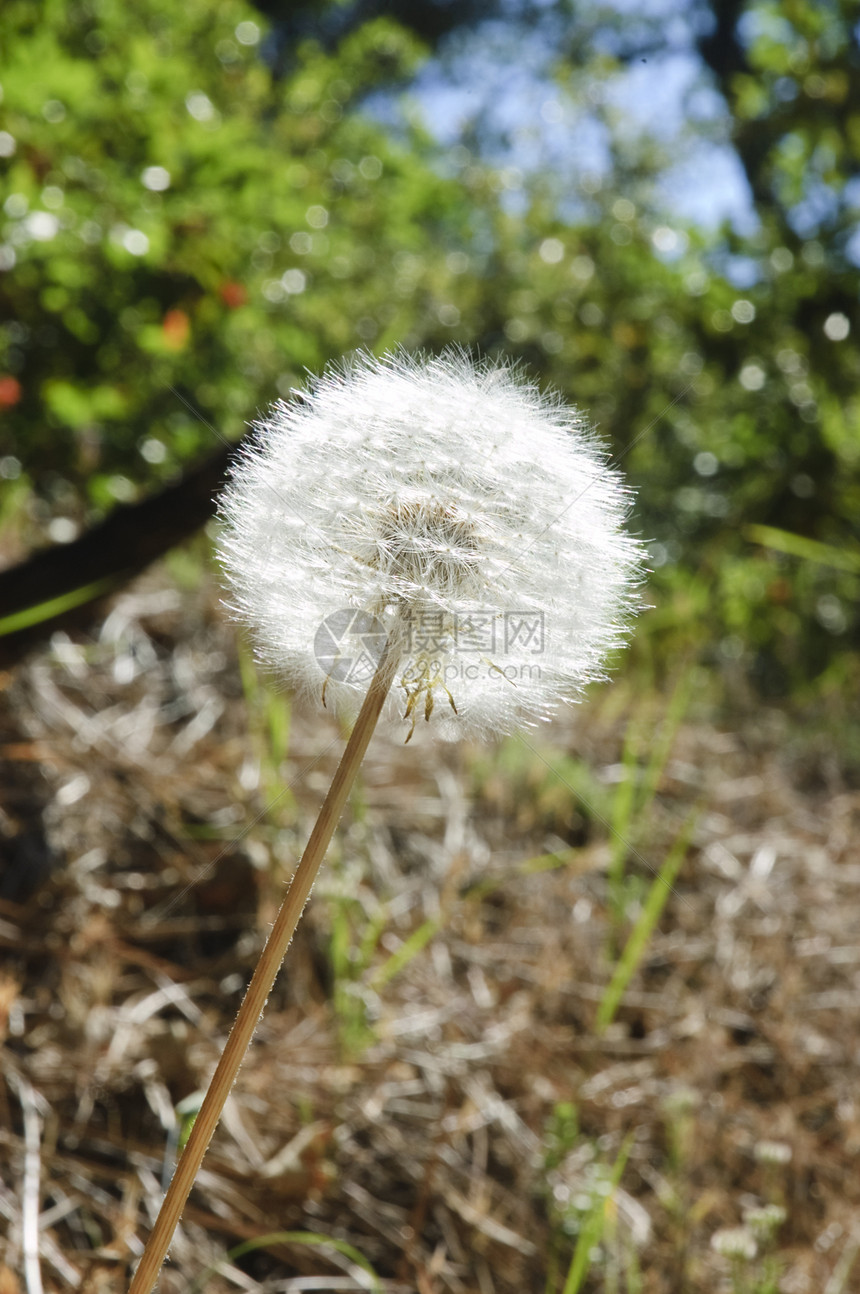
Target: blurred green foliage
<point>183,224</point>
<point>178,218</point>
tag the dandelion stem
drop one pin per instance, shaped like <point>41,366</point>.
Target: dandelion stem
<point>265,975</point>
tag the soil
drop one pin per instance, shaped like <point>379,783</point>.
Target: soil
<point>429,1087</point>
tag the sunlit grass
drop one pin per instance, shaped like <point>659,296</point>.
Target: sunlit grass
<point>269,716</point>
<point>643,929</point>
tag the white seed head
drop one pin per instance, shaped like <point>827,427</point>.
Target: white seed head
<point>447,502</point>
<point>772,1152</point>
<point>737,1243</point>
<point>765,1220</point>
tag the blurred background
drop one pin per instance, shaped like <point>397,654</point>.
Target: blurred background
<point>623,953</point>
<point>655,207</point>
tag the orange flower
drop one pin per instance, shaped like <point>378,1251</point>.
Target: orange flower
<point>10,391</point>
<point>176,329</point>
<point>233,294</point>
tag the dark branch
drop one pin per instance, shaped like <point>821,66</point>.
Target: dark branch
<point>111,553</point>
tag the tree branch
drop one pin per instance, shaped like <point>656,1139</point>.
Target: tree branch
<point>109,554</point>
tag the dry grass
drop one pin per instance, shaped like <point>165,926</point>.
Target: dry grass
<point>420,1110</point>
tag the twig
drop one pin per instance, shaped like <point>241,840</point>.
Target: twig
<point>30,1101</point>
<point>59,582</point>
<point>265,974</point>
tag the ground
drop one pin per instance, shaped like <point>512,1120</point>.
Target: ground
<point>436,1091</point>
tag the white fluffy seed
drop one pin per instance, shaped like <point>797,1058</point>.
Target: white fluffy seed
<point>448,502</point>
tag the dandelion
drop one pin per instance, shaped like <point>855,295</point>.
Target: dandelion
<point>430,537</point>
<point>772,1152</point>
<point>765,1221</point>
<point>449,505</point>
<point>736,1243</point>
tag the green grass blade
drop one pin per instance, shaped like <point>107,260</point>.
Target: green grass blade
<point>622,816</point>
<point>810,550</point>
<point>291,1238</point>
<point>31,616</point>
<point>662,746</point>
<point>410,948</point>
<point>644,927</point>
<point>278,723</point>
<point>593,1227</point>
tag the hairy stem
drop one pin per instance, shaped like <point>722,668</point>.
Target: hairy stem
<point>264,976</point>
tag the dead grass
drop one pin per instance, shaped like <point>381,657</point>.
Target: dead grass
<point>448,1120</point>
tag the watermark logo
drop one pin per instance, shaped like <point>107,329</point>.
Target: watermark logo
<point>348,646</point>
<point>524,632</point>
<point>476,633</point>
<point>428,672</point>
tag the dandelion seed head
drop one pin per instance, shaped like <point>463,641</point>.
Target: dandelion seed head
<point>452,504</point>
<point>764,1221</point>
<point>772,1152</point>
<point>737,1243</point>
